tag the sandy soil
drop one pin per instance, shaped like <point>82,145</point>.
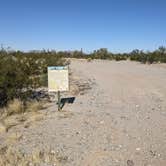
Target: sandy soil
<point>117,119</point>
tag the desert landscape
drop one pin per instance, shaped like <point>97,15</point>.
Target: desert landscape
<point>117,119</point>
<point>83,83</point>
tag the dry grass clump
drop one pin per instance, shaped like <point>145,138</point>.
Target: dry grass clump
<point>13,157</point>
<point>34,117</point>
<point>14,107</point>
<point>2,128</point>
<point>15,114</point>
<point>34,106</point>
<point>27,119</point>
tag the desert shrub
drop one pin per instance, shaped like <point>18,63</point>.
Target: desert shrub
<point>156,56</point>
<point>22,73</point>
<point>89,60</point>
<point>119,57</point>
<point>43,80</point>
<point>13,78</point>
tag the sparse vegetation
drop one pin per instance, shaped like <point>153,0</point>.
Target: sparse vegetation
<point>89,60</point>
<point>17,117</point>
<point>157,56</point>
<point>34,106</point>
<point>9,156</point>
<point>21,73</point>
<point>14,107</point>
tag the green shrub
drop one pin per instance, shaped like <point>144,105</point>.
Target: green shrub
<point>89,60</point>
<point>21,73</point>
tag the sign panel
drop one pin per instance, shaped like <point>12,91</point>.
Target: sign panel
<point>58,78</point>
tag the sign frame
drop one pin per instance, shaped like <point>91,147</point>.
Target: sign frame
<point>63,75</point>
<point>58,78</point>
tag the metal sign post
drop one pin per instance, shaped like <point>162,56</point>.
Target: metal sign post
<point>58,81</point>
<point>59,101</point>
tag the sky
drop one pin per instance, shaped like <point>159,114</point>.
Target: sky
<point>119,25</point>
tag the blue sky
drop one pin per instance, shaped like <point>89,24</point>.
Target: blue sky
<point>119,25</point>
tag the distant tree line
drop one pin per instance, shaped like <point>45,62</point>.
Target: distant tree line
<point>22,72</point>
<point>157,56</point>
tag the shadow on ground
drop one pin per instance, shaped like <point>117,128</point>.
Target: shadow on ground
<point>69,100</point>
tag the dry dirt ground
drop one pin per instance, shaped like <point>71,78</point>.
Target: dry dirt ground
<point>117,119</point>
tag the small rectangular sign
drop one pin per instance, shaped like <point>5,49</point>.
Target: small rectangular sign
<point>58,78</point>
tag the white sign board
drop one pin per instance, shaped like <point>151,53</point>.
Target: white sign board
<point>58,78</point>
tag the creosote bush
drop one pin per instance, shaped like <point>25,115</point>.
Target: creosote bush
<point>22,73</point>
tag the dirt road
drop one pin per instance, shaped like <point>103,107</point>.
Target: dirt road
<point>126,113</point>
<point>118,120</point>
